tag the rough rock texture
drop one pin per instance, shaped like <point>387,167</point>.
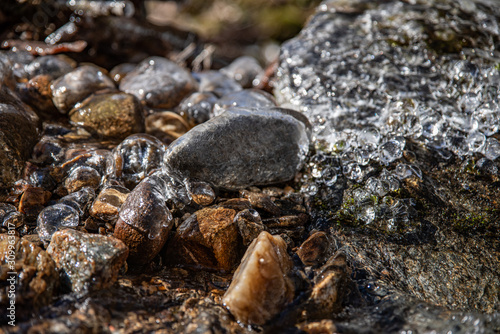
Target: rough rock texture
<point>36,279</point>
<point>158,82</point>
<point>18,135</point>
<point>260,286</point>
<point>242,147</point>
<point>87,261</point>
<point>115,115</point>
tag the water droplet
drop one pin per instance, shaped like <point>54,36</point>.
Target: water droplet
<point>492,149</point>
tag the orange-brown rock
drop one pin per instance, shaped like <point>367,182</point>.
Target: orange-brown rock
<point>314,250</point>
<point>261,286</point>
<point>33,200</point>
<point>107,204</point>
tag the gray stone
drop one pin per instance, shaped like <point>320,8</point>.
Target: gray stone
<point>87,261</point>
<point>158,82</point>
<point>242,147</point>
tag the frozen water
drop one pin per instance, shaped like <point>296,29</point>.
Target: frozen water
<point>55,217</point>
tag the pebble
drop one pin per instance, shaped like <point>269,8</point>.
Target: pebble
<point>217,83</point>
<point>76,85</point>
<point>209,238</point>
<point>112,115</point>
<point>118,72</point>
<point>55,217</point>
<point>242,147</point>
<point>249,225</point>
<point>18,134</point>
<point>197,107</point>
<point>200,192</point>
<point>53,66</point>
<point>244,70</point>
<point>136,156</point>
<point>33,200</point>
<point>247,98</point>
<point>158,82</point>
<point>36,275</point>
<point>81,177</point>
<point>315,249</point>
<point>88,262</point>
<point>261,287</point>
<point>107,204</point>
<point>144,220</point>
<point>9,216</point>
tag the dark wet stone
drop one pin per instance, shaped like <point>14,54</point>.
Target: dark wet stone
<point>81,177</point>
<point>118,72</point>
<point>261,287</point>
<point>249,225</point>
<point>158,82</point>
<point>217,83</point>
<point>136,156</point>
<point>76,85</point>
<point>79,200</point>
<point>53,66</point>
<point>244,70</point>
<point>36,276</point>
<point>87,262</point>
<point>197,107</point>
<point>144,220</point>
<point>18,135</point>
<point>247,98</point>
<point>113,115</point>
<point>261,201</point>
<point>242,147</point>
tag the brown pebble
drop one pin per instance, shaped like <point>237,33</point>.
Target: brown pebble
<point>33,201</point>
<point>314,250</point>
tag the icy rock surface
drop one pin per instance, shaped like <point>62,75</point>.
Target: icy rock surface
<point>404,97</point>
<point>242,147</point>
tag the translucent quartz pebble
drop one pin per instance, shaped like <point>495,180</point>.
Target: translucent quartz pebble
<point>79,200</point>
<point>248,98</point>
<point>487,117</point>
<point>136,156</point>
<point>217,83</point>
<point>244,70</point>
<point>54,218</point>
<point>158,82</point>
<point>390,151</point>
<point>492,148</point>
<point>200,192</point>
<point>53,66</point>
<point>76,85</point>
<point>197,107</point>
<point>115,115</point>
<point>9,216</point>
<point>261,286</point>
<point>242,147</point>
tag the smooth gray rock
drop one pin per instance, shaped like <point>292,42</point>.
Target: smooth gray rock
<point>243,147</point>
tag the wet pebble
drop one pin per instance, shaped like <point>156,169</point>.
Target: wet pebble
<point>249,225</point>
<point>107,204</point>
<point>217,83</point>
<point>76,85</point>
<point>9,216</point>
<point>242,147</point>
<point>81,177</point>
<point>118,72</point>
<point>113,115</point>
<point>136,156</point>
<point>33,200</point>
<point>88,262</point>
<point>158,82</point>
<point>244,70</point>
<point>200,192</point>
<point>144,220</point>
<point>208,238</point>
<point>18,135</point>
<point>53,66</point>
<point>315,249</point>
<point>247,98</point>
<point>197,107</point>
<point>56,217</point>
<point>261,286</point>
<point>36,276</point>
